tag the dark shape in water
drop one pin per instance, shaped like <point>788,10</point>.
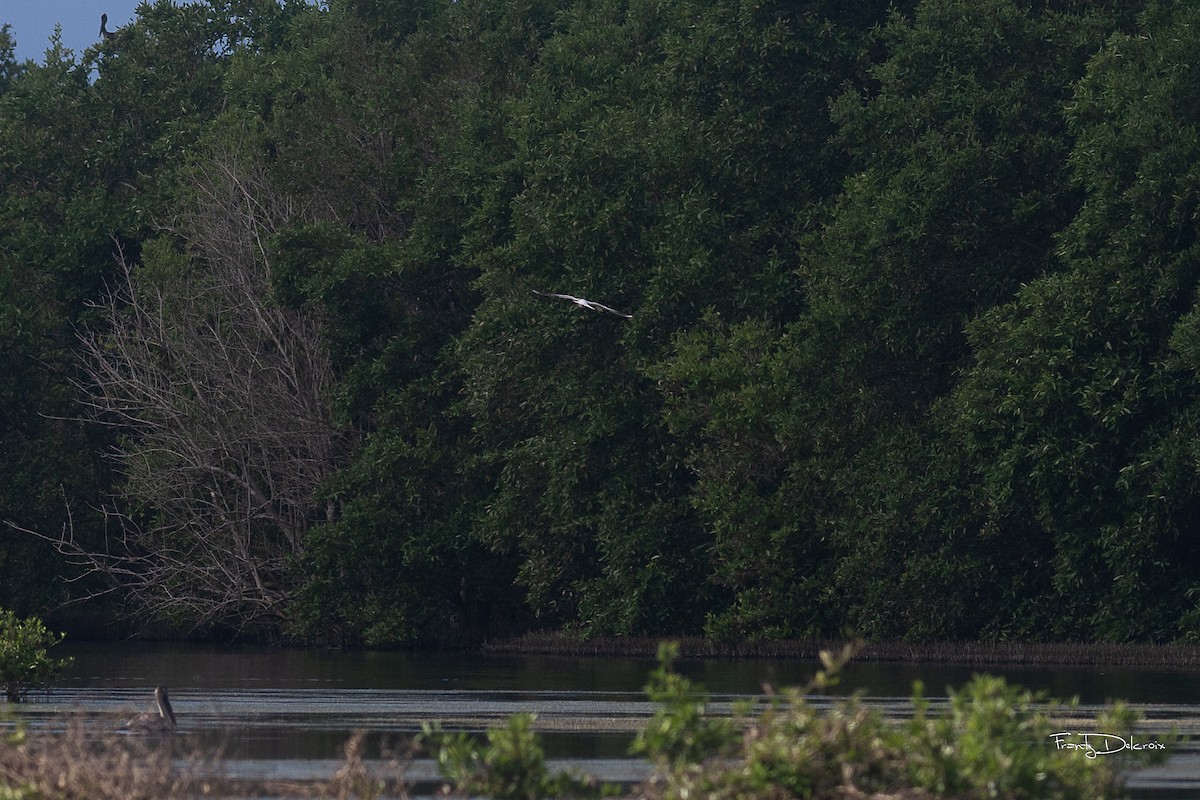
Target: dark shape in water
<point>162,722</point>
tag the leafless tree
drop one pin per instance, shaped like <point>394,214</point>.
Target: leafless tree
<point>220,399</point>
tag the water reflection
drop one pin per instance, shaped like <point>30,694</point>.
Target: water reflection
<point>200,667</point>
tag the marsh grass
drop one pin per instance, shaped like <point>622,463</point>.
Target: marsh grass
<point>357,780</point>
<point>78,763</point>
<point>87,762</point>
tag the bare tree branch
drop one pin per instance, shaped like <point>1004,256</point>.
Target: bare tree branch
<point>220,397</point>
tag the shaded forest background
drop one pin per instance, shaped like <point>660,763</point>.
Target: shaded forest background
<point>913,350</point>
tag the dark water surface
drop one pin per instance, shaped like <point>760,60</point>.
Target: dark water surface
<point>288,713</point>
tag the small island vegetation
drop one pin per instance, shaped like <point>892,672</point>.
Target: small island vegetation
<point>911,347</point>
<point>25,662</point>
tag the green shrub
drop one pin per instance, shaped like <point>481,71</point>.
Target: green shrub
<point>24,661</point>
<point>511,766</point>
<point>992,741</point>
<point>681,732</point>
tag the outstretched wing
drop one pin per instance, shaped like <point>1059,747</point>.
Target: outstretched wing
<point>602,307</point>
<point>556,294</point>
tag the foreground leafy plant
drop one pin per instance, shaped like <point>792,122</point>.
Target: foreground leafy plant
<point>992,740</point>
<point>25,663</point>
<point>682,732</point>
<point>511,766</point>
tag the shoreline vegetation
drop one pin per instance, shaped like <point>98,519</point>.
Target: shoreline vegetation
<point>75,764</point>
<point>1167,656</point>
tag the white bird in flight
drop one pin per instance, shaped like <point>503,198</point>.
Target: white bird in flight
<point>579,301</point>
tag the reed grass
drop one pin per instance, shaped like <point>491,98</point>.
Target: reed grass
<point>79,765</point>
<point>1167,656</point>
<point>83,764</point>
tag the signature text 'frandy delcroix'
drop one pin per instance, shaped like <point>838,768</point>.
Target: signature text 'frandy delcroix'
<point>1100,744</point>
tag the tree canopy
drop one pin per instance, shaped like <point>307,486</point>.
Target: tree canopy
<point>911,348</point>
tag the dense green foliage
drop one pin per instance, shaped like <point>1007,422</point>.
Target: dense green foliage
<point>511,766</point>
<point>913,346</point>
<point>988,741</point>
<point>25,662</point>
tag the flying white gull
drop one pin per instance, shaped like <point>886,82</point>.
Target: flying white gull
<point>579,301</point>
